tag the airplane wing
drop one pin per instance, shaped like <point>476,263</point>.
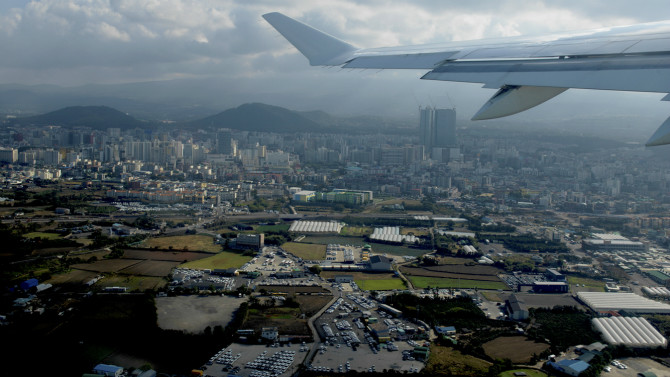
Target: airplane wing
<point>526,71</point>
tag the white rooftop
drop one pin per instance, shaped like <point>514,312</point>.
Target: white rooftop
<point>629,302</point>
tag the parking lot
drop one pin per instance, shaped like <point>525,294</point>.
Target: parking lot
<point>633,366</point>
<point>255,360</point>
<point>347,345</point>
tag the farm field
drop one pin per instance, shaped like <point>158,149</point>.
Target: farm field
<point>595,285</point>
<point>272,228</point>
<point>74,276</point>
<point>133,283</point>
<point>175,256</point>
<point>355,231</point>
<point>306,251</point>
<point>197,242</point>
<point>222,260</point>
<point>519,349</point>
<point>150,268</point>
<point>447,361</point>
<point>370,281</point>
<point>435,282</point>
<point>381,284</point>
<point>107,265</point>
<point>43,235</point>
<point>285,319</point>
<point>311,304</point>
<point>478,272</point>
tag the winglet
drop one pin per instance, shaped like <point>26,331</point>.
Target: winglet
<point>319,47</point>
<point>661,136</point>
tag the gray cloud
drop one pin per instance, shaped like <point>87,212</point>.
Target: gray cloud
<point>74,42</point>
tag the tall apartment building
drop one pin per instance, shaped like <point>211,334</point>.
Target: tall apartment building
<point>437,128</point>
<point>9,155</point>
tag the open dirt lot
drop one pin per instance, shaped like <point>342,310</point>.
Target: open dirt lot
<point>109,265</point>
<point>74,276</point>
<point>519,349</point>
<point>193,313</point>
<point>484,273</point>
<point>537,300</point>
<point>176,256</point>
<point>150,268</point>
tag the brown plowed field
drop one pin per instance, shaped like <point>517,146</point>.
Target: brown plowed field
<point>108,265</point>
<point>484,273</point>
<point>519,349</point>
<point>176,256</point>
<point>150,268</point>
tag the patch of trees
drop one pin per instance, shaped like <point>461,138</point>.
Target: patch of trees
<point>460,312</point>
<point>527,243</point>
<point>366,221</point>
<point>562,326</point>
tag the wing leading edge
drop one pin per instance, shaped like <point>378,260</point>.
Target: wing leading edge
<point>527,71</point>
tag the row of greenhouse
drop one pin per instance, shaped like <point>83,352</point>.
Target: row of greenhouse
<point>316,227</point>
<point>656,291</point>
<point>629,331</point>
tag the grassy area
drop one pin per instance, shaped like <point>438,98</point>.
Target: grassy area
<point>445,361</point>
<point>529,373</point>
<point>222,260</point>
<point>43,235</point>
<point>590,283</point>
<point>425,282</point>
<point>198,242</point>
<point>306,251</point>
<point>133,283</point>
<point>492,296</point>
<point>356,231</point>
<point>380,284</point>
<point>271,228</point>
<point>415,231</point>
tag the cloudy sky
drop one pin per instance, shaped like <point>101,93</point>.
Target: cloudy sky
<point>77,42</point>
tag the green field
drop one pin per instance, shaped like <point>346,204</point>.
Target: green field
<point>529,373</point>
<point>198,242</point>
<point>306,251</point>
<point>271,228</point>
<point>425,282</point>
<point>133,283</point>
<point>590,283</point>
<point>444,361</point>
<point>43,235</point>
<point>380,284</point>
<point>356,231</point>
<point>221,260</point>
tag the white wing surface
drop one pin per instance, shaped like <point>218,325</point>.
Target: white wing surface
<point>527,71</point>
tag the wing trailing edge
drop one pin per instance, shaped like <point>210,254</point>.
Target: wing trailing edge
<point>527,71</point>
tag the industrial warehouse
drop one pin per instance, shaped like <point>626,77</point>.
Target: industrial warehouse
<point>629,331</point>
<point>630,302</point>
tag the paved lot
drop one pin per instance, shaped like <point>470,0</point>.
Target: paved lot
<point>250,353</point>
<point>637,365</point>
<point>363,358</point>
<point>194,313</point>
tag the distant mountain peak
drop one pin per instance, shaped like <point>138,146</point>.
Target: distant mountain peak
<point>97,117</point>
<point>260,117</point>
